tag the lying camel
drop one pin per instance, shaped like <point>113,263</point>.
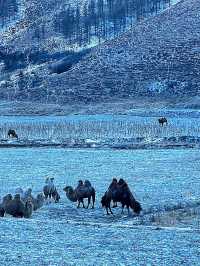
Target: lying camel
<point>6,200</point>
<point>17,208</point>
<point>37,202</point>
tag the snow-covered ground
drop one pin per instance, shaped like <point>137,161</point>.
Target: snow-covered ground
<point>61,234</point>
<point>103,127</point>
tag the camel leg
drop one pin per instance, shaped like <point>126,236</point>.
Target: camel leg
<point>50,198</point>
<point>122,209</point>
<point>46,198</point>
<point>83,203</point>
<point>78,206</point>
<point>107,211</point>
<point>110,210</point>
<point>89,198</point>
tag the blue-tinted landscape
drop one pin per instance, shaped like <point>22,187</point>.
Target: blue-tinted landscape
<point>99,104</point>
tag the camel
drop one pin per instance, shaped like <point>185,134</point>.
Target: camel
<point>17,208</point>
<point>162,121</point>
<point>80,193</point>
<point>50,190</point>
<point>6,200</point>
<point>12,134</point>
<point>28,210</point>
<point>112,187</point>
<point>123,195</point>
<point>38,201</point>
<point>27,195</point>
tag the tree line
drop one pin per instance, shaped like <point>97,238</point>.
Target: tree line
<point>98,20</point>
<point>8,10</point>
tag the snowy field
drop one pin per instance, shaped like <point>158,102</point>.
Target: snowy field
<point>166,182</point>
<point>99,127</point>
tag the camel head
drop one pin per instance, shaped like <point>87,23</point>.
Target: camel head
<point>29,191</point>
<point>28,208</point>
<point>135,205</point>
<point>68,189</point>
<point>104,200</point>
<point>29,201</point>
<point>71,195</point>
<point>40,197</point>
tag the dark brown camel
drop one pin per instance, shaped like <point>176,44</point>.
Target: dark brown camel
<point>123,195</point>
<point>162,121</point>
<point>12,134</point>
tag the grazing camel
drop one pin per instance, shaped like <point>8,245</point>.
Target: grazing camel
<point>81,192</point>
<point>123,195</point>
<point>162,121</point>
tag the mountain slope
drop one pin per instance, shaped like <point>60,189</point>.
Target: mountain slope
<point>159,59</point>
<point>159,56</point>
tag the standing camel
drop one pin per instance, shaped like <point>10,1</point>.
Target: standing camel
<point>81,192</point>
<point>162,121</point>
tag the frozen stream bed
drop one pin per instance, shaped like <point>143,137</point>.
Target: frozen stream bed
<point>166,182</point>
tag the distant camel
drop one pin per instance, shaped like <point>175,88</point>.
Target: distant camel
<point>80,193</point>
<point>12,134</point>
<point>162,121</point>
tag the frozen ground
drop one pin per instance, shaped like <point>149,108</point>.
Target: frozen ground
<point>166,182</point>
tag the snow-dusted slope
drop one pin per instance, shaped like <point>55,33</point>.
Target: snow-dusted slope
<point>35,16</point>
<point>158,58</point>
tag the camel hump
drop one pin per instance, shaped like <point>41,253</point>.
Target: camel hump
<point>87,183</point>
<point>15,207</point>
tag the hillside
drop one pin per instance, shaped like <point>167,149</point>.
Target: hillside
<point>33,26</point>
<point>156,61</point>
<point>160,56</point>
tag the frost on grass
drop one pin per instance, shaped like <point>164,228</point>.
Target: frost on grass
<point>164,181</point>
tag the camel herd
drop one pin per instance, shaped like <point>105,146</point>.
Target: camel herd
<point>23,203</point>
<point>21,206</point>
